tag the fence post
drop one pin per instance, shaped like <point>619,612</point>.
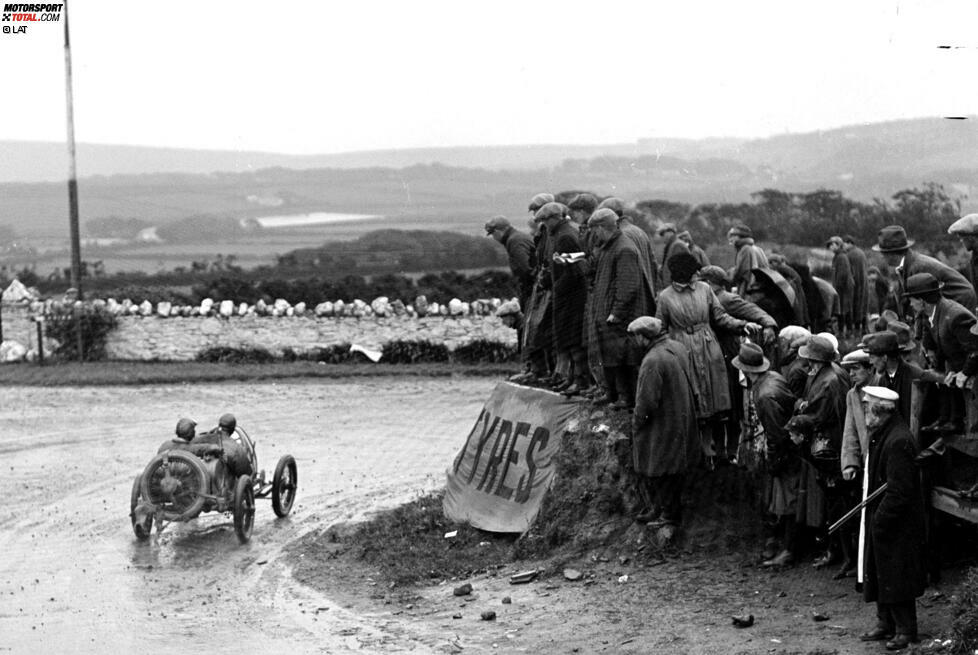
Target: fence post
<point>78,332</point>
<point>40,341</point>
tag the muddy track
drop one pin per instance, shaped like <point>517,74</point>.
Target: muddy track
<point>74,578</point>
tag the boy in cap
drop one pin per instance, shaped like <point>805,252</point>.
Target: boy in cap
<point>769,404</point>
<point>894,524</point>
<point>520,253</point>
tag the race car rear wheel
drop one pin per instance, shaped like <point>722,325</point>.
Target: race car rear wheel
<point>176,482</point>
<point>284,484</point>
<point>143,525</point>
<point>244,508</point>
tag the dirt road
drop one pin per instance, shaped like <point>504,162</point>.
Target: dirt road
<point>74,579</point>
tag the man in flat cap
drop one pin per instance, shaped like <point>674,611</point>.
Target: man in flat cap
<point>894,523</point>
<point>565,254</point>
<point>637,236</point>
<point>748,257</point>
<point>892,370</point>
<point>665,439</point>
<point>896,249</point>
<point>966,229</point>
<point>622,292</point>
<point>519,251</point>
<point>947,334</point>
<point>843,282</point>
<point>536,340</point>
<point>860,284</point>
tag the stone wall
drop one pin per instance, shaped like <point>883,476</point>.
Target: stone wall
<point>152,338</point>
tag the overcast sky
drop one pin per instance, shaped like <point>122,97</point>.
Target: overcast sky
<point>329,76</point>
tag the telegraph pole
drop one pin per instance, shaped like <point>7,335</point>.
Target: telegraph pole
<point>72,175</point>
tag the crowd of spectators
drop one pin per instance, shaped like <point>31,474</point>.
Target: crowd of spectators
<point>812,384</point>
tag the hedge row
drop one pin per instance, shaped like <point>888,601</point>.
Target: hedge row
<point>480,351</point>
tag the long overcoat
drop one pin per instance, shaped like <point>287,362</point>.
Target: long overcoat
<point>895,521</point>
<point>748,258</point>
<point>860,283</point>
<point>569,287</point>
<point>691,313</point>
<point>620,288</point>
<point>522,261</point>
<point>665,438</point>
<point>843,282</point>
<point>646,251</point>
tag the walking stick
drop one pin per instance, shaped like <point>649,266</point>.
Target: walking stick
<point>858,508</point>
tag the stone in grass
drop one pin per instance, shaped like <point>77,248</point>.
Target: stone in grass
<point>743,621</point>
<point>463,590</point>
<point>820,616</point>
<point>572,574</point>
<point>507,600</point>
<point>489,615</point>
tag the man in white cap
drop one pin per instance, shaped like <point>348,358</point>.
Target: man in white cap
<point>966,229</point>
<point>894,575</point>
<point>665,437</point>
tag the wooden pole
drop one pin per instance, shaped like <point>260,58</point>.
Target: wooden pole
<point>72,174</point>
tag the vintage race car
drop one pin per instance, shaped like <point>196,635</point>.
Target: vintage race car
<point>216,474</point>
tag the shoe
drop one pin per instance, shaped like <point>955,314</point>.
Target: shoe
<point>933,427</point>
<point>560,386</point>
<point>602,400</point>
<point>770,549</point>
<point>848,570</point>
<point>648,515</point>
<point>520,378</point>
<point>877,634</point>
<point>900,642</point>
<point>784,558</point>
<point>825,560</point>
<point>622,404</point>
<point>573,390</point>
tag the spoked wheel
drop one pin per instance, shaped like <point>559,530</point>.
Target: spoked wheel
<point>142,525</point>
<point>284,485</point>
<point>176,482</point>
<point>244,508</point>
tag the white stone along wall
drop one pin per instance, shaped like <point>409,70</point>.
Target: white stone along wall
<point>174,338</point>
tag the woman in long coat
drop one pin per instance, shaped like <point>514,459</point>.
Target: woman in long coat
<point>690,311</point>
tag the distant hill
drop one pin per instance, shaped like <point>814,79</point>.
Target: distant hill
<point>455,188</point>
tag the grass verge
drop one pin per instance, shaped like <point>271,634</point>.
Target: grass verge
<point>71,374</point>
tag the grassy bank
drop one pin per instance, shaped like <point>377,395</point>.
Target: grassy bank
<point>70,374</point>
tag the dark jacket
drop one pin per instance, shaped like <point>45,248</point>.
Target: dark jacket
<point>825,397</point>
<point>950,337</point>
<point>860,284</point>
<point>672,246</point>
<point>620,288</point>
<point>801,301</point>
<point>843,282</point>
<point>902,382</point>
<point>646,252</point>
<point>569,287</point>
<point>522,260</point>
<point>895,521</point>
<point>773,402</point>
<point>956,286</point>
<point>744,310</point>
<point>665,438</point>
